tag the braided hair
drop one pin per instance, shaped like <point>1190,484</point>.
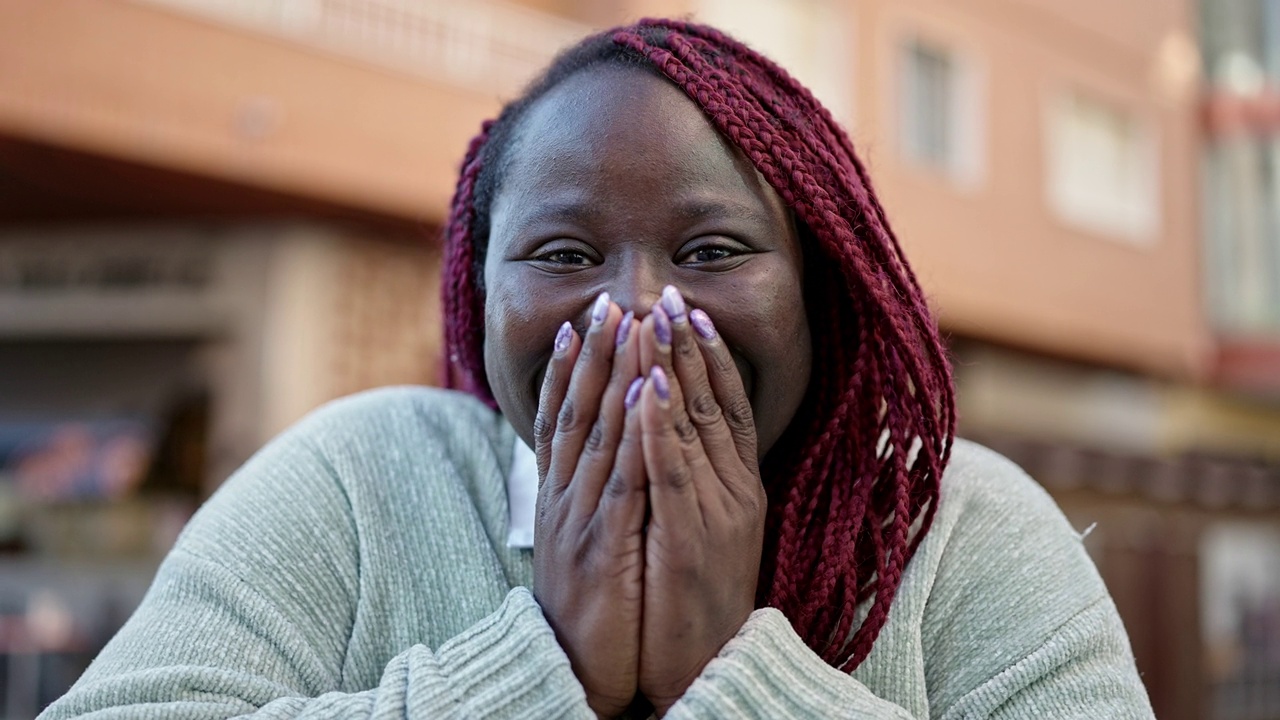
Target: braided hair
<point>853,483</point>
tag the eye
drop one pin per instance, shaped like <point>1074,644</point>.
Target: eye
<point>564,257</point>
<point>710,254</point>
<point>717,253</point>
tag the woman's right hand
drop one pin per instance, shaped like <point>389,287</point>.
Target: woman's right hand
<point>589,537</point>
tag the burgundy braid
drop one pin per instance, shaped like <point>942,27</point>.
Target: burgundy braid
<point>463,302</point>
<point>839,529</point>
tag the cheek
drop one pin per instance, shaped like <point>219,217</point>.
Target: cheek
<point>763,318</point>
<point>522,313</point>
<point>790,348</point>
<point>516,336</point>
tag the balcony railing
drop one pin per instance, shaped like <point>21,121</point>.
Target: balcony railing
<point>486,45</point>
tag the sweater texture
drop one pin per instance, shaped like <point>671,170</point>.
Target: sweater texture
<point>357,567</point>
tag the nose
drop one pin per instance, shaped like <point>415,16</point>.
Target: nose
<point>638,284</point>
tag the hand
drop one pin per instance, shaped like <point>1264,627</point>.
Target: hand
<point>707,504</point>
<point>589,538</point>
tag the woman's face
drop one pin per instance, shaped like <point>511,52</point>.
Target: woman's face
<point>616,182</point>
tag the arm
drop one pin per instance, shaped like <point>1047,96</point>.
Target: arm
<point>766,671</point>
<point>1082,671</point>
<point>253,611</point>
<point>1001,615</point>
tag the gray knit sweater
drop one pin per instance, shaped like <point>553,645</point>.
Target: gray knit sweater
<point>356,567</point>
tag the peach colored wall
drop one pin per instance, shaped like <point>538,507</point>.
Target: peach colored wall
<point>997,261</point>
<point>134,81</point>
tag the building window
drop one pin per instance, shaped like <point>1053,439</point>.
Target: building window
<point>1242,234</point>
<point>1102,168</point>
<point>811,39</point>
<point>941,111</point>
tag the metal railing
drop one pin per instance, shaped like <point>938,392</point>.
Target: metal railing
<point>486,45</point>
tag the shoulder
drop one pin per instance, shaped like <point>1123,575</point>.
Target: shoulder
<point>382,416</point>
<point>1002,561</point>
<point>366,450</point>
<point>996,526</point>
<point>982,489</point>
<point>410,445</point>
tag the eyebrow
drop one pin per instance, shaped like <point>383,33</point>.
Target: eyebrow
<point>563,212</point>
<point>689,211</point>
<point>702,209</point>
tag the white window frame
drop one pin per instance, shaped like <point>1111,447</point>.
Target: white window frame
<point>1136,226</point>
<point>966,163</point>
<point>813,40</point>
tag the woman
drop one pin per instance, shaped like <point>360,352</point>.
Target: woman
<point>668,275</point>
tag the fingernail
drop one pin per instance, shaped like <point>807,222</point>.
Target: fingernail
<point>673,303</point>
<point>601,309</point>
<point>660,384</point>
<point>562,338</point>
<point>633,392</point>
<point>661,326</point>
<point>702,323</point>
<point>624,328</point>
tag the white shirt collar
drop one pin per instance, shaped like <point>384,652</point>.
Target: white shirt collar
<point>522,496</point>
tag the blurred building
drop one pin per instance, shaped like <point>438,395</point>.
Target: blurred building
<point>217,214</point>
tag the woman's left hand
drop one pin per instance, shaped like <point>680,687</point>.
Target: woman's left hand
<point>707,504</point>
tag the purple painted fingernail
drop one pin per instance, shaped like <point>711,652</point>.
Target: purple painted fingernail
<point>673,303</point>
<point>624,329</point>
<point>562,338</point>
<point>702,323</point>
<point>660,384</point>
<point>600,309</point>
<point>633,392</point>
<point>661,326</point>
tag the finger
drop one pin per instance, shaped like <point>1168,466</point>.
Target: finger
<point>555,383</point>
<point>659,331</point>
<point>577,411</point>
<point>645,341</point>
<point>598,453</point>
<point>673,495</point>
<point>726,384</point>
<point>700,402</point>
<point>623,501</point>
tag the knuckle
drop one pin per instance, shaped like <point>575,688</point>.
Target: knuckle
<point>739,415</point>
<point>723,363</point>
<point>567,421</point>
<point>687,350</point>
<point>618,485</point>
<point>703,408</point>
<point>595,439</point>
<point>685,430</point>
<point>543,428</point>
<point>679,477</point>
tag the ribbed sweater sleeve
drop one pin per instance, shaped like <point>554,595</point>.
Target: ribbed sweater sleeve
<point>357,568</point>
<point>1009,614</point>
<point>767,671</point>
<point>253,612</point>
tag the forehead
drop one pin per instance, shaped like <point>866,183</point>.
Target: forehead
<point>609,127</point>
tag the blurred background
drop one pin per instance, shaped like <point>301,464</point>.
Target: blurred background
<point>217,214</point>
